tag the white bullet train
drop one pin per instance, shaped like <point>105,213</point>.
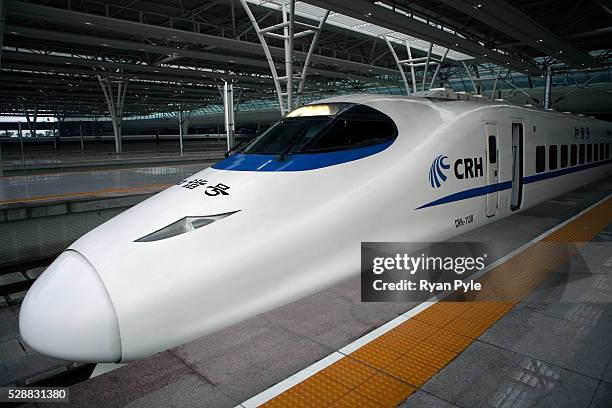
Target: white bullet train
<point>284,216</point>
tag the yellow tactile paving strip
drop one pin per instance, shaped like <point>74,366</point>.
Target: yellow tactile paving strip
<point>385,371</point>
<point>53,197</point>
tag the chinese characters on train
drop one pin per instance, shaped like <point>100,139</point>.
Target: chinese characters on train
<point>210,190</point>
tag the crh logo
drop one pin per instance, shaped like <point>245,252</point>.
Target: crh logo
<point>436,171</point>
<point>464,168</point>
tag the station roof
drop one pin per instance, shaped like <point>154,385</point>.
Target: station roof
<point>176,53</point>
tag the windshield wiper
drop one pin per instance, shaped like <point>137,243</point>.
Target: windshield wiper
<point>239,146</point>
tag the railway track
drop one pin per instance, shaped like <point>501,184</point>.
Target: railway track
<point>18,278</point>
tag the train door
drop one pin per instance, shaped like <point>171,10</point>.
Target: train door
<point>492,160</point>
<point>517,166</point>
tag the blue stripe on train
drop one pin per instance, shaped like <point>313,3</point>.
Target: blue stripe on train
<point>484,190</point>
<point>297,162</point>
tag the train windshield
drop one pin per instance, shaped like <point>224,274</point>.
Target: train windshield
<point>324,128</point>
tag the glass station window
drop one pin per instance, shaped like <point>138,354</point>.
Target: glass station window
<point>573,155</point>
<point>589,153</point>
<point>563,156</point>
<point>540,159</point>
<point>581,154</point>
<point>324,128</point>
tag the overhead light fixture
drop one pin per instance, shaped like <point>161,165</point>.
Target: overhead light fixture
<point>88,23</point>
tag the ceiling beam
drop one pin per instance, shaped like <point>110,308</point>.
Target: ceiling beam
<point>196,74</point>
<point>375,14</point>
<point>93,21</point>
<point>213,58</point>
<point>506,18</point>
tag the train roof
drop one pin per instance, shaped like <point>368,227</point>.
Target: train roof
<point>443,95</point>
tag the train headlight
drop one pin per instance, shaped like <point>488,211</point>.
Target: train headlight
<point>186,224</point>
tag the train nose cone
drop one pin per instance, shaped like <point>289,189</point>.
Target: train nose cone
<point>68,314</point>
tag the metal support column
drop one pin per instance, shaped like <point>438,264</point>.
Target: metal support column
<point>286,96</point>
<point>426,66</point>
<point>81,133</point>
<point>288,34</point>
<point>19,130</point>
<point>228,110</point>
<point>115,108</point>
<point>399,64</point>
<point>470,76</point>
<point>435,75</point>
<point>180,121</point>
<point>495,83</point>
<point>412,73</point>
<point>548,87</point>
<point>2,23</point>
<point>313,44</point>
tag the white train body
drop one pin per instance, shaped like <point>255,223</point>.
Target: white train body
<point>292,232</point>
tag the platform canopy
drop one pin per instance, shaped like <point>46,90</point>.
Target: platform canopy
<point>61,58</point>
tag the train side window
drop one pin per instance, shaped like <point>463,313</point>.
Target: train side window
<point>589,153</point>
<point>574,155</point>
<point>608,150</point>
<point>602,154</point>
<point>492,149</point>
<point>552,157</point>
<point>595,152</point>
<point>563,156</point>
<point>540,159</point>
<point>581,154</point>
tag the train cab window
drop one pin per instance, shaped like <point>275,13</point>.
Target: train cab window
<point>552,157</point>
<point>324,128</point>
<point>359,126</point>
<point>573,155</point>
<point>563,156</point>
<point>581,154</point>
<point>589,153</point>
<point>540,159</point>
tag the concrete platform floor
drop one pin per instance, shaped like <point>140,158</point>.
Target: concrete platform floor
<point>543,353</point>
<point>62,186</point>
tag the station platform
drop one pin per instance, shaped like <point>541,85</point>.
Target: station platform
<point>54,187</point>
<point>40,215</point>
<point>548,347</point>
